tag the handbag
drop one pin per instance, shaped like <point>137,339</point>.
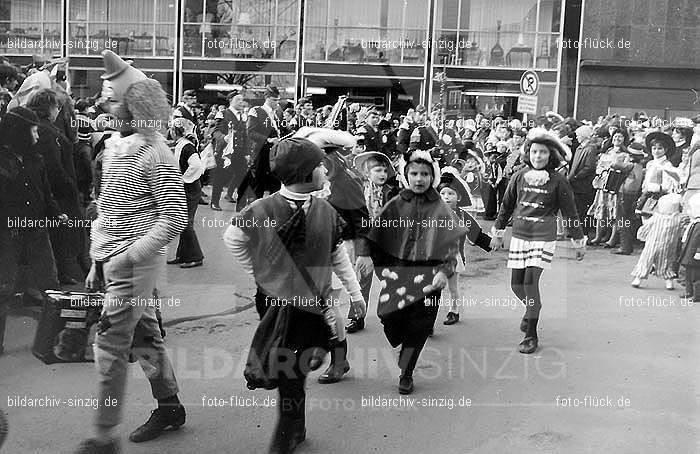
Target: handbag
<point>649,206</point>
<point>208,157</point>
<point>261,365</point>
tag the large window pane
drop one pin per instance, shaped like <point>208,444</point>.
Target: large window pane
<point>52,11</point>
<point>550,16</point>
<point>165,10</point>
<point>316,12</point>
<point>78,10</point>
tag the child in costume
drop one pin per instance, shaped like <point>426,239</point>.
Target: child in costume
<point>473,174</point>
<point>377,169</point>
<point>660,234</point>
<point>533,198</point>
<point>690,250</point>
<point>412,244</point>
<point>294,262</point>
<point>453,191</point>
<point>660,176</point>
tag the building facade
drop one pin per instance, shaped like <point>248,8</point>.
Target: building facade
<point>468,54</point>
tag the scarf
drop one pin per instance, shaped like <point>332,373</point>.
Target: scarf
<point>373,198</point>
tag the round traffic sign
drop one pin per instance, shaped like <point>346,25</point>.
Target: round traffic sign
<point>529,83</point>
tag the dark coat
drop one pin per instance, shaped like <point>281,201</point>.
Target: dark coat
<point>261,127</point>
<point>25,191</point>
<point>57,152</point>
<point>583,167</point>
<point>691,246</point>
<point>241,144</point>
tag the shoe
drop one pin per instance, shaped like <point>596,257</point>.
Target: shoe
<point>593,242</point>
<point>93,446</point>
<point>192,264</point>
<point>67,280</point>
<point>451,319</point>
<point>316,359</point>
<point>175,261</point>
<point>203,202</point>
<point>528,345</point>
<point>215,207</point>
<point>160,420</point>
<point>405,385</point>
<point>355,325</point>
<point>620,252</point>
<point>686,296</point>
<point>608,246</point>
<point>523,325</point>
<point>636,282</point>
<point>284,444</point>
<point>669,284</point>
<point>339,365</point>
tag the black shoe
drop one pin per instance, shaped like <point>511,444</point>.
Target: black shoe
<point>528,345</point>
<point>339,365</point>
<point>523,325</point>
<point>620,252</point>
<point>316,359</point>
<point>215,207</point>
<point>192,264</point>
<point>160,420</point>
<point>282,443</point>
<point>451,319</point>
<point>203,202</point>
<point>175,261</point>
<point>355,325</point>
<point>405,385</point>
<point>93,446</point>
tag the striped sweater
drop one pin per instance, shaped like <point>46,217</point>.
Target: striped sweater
<point>142,204</point>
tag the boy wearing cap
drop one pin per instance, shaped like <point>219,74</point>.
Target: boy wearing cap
<point>292,261</point>
<point>627,197</point>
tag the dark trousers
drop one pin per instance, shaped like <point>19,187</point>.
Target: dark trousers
<point>583,201</point>
<point>692,282</point>
<point>494,198</point>
<point>626,220</point>
<point>188,249</point>
<point>33,248</point>
<point>229,177</point>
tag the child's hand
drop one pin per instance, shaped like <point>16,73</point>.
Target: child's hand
<point>363,265</point>
<point>359,308</point>
<point>496,243</point>
<point>439,281</point>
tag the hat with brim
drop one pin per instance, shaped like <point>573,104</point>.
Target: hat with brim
<point>24,114</point>
<point>362,160</point>
<point>665,139</point>
<point>636,149</point>
<point>325,138</point>
<point>450,178</point>
<point>541,135</point>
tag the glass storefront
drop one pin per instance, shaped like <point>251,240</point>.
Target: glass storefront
<point>241,29</point>
<point>131,28</point>
<point>498,33</point>
<point>30,27</point>
<point>366,31</point>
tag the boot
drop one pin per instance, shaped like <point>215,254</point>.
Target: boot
<point>288,435</point>
<point>339,365</point>
<point>160,420</point>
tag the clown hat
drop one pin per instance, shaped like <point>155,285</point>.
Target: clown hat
<point>119,73</point>
<point>361,161</point>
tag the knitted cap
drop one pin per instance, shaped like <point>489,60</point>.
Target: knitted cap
<point>24,114</point>
<point>148,105</point>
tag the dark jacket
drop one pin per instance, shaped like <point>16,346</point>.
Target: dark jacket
<point>241,144</point>
<point>57,152</point>
<point>261,127</point>
<point>403,138</point>
<point>25,191</point>
<point>691,246</point>
<point>582,169</point>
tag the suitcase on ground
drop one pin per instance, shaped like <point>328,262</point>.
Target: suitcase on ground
<point>67,326</point>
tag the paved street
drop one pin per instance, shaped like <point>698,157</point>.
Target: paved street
<point>617,370</point>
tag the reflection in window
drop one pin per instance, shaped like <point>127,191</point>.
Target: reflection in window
<point>505,33</point>
<point>241,29</point>
<point>30,27</point>
<point>128,27</point>
<point>366,31</point>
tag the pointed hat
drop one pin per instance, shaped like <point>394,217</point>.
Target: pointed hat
<point>119,73</point>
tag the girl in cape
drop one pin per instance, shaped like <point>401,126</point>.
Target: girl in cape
<point>414,256</point>
<point>533,198</point>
